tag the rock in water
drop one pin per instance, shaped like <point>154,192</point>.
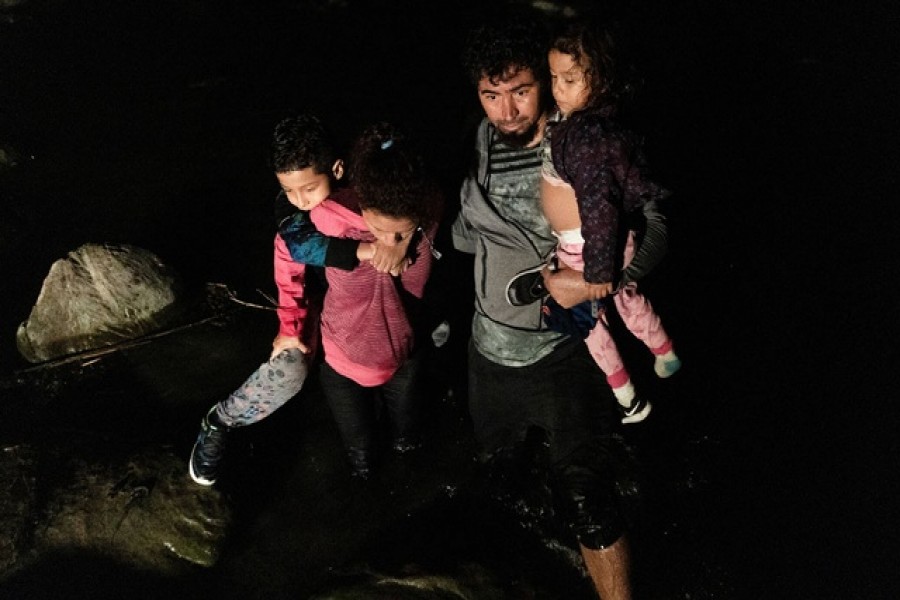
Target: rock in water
<point>99,295</point>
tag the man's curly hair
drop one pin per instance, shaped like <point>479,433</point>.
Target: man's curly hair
<point>504,44</point>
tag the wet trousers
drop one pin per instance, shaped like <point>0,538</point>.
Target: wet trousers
<point>564,395</point>
<point>275,382</point>
<point>356,408</point>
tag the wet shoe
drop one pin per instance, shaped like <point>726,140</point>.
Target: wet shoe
<point>637,411</point>
<point>666,365</point>
<point>360,463</point>
<point>404,444</point>
<point>208,450</point>
<point>526,286</point>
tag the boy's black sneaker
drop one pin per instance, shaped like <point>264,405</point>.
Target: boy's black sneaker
<point>208,450</point>
<point>637,412</point>
<point>526,286</point>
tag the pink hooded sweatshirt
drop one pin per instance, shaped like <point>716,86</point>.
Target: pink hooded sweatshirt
<point>366,332</point>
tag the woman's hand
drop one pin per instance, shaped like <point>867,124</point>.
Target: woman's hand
<point>391,259</point>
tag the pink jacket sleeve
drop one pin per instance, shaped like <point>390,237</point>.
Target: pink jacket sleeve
<point>289,279</point>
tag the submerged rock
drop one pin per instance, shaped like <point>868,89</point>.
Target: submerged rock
<point>139,509</point>
<point>17,498</point>
<point>9,157</point>
<point>473,583</point>
<point>99,295</point>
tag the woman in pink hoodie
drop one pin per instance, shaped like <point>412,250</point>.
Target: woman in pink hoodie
<point>369,318</point>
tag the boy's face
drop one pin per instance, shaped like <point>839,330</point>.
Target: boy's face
<point>306,188</point>
<point>569,86</point>
<point>513,105</point>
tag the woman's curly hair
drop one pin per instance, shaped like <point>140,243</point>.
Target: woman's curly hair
<point>390,176</point>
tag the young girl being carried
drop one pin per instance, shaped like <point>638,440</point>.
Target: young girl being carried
<point>600,200</point>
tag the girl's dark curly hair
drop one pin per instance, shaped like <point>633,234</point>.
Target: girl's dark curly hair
<point>504,44</point>
<point>300,142</point>
<point>390,177</point>
<point>594,47</point>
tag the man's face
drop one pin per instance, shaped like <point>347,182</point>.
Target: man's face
<point>513,105</point>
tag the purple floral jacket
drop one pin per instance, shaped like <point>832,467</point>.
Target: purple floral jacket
<point>605,165</point>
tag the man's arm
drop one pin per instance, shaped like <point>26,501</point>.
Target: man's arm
<point>568,286</point>
<point>461,232</point>
<point>653,244</point>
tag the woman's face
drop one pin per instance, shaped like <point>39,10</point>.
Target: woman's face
<point>389,231</point>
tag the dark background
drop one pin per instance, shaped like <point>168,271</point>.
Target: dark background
<point>775,123</point>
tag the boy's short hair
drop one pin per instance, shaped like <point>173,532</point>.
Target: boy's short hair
<point>301,142</point>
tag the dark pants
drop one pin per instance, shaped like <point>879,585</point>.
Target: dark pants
<point>355,407</point>
<point>567,397</point>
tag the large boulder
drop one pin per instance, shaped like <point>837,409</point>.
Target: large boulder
<point>9,158</point>
<point>99,295</point>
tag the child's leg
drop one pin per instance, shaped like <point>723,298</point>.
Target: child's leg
<point>265,391</point>
<point>639,317</point>
<point>268,388</point>
<point>599,340</point>
<point>569,248</point>
<point>606,355</point>
<point>641,320</point>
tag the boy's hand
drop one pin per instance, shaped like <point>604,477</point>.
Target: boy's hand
<point>365,251</point>
<point>391,259</point>
<point>287,342</point>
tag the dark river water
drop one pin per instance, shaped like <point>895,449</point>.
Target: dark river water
<point>770,463</point>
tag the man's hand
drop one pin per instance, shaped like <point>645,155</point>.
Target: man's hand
<point>568,287</point>
<point>287,342</point>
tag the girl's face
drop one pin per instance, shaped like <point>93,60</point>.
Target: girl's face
<point>389,231</point>
<point>570,87</point>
